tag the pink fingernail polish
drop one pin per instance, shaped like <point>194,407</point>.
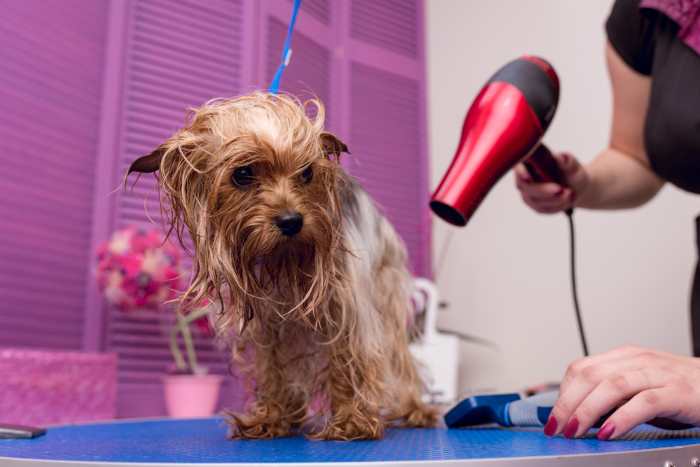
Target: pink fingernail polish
<point>606,431</point>
<point>551,427</point>
<point>571,428</point>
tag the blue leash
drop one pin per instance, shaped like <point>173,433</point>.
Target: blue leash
<point>286,52</point>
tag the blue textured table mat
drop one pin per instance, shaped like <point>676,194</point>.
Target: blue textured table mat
<point>204,440</point>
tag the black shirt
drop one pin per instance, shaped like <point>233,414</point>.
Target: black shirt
<point>646,40</point>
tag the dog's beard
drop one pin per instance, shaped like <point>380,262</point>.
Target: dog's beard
<point>288,277</point>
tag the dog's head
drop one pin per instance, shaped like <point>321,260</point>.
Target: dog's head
<point>254,181</point>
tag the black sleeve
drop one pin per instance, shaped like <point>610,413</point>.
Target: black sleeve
<point>630,32</point>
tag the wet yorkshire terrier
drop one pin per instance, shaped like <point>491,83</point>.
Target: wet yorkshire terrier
<point>314,279</point>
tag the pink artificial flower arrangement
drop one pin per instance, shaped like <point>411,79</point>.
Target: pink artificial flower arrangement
<point>138,270</point>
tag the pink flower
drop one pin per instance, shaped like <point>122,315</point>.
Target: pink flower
<point>137,270</point>
<point>130,265</point>
<point>204,326</point>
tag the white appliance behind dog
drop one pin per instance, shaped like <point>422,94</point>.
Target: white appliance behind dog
<point>437,353</point>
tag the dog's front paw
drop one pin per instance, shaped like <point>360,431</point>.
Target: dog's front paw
<point>351,429</point>
<point>251,427</point>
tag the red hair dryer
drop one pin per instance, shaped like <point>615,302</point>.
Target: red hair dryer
<point>504,126</point>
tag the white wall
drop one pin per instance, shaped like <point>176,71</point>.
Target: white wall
<point>506,274</point>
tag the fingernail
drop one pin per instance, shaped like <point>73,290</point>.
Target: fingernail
<point>551,427</point>
<point>606,431</point>
<point>571,428</point>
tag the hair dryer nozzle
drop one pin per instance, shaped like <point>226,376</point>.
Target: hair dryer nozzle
<point>503,126</point>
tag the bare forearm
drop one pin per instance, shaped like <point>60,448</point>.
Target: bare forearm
<point>618,181</point>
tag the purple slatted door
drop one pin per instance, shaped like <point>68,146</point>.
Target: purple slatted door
<point>311,71</point>
<point>365,60</point>
<point>177,55</point>
<point>50,93</point>
<point>383,58</point>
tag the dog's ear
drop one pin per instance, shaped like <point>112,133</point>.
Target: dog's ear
<point>332,145</point>
<point>149,163</point>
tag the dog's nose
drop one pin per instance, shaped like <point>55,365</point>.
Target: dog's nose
<point>289,223</point>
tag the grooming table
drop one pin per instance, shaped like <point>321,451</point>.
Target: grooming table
<point>165,442</point>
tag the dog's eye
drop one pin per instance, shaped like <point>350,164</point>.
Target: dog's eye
<point>307,175</point>
<point>243,176</point>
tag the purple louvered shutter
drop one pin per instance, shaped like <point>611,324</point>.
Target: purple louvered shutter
<point>50,93</point>
<point>74,117</point>
<point>176,55</point>
<point>311,72</point>
<point>387,122</point>
<point>365,60</point>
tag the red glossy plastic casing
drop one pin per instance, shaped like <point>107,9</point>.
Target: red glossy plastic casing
<point>500,130</point>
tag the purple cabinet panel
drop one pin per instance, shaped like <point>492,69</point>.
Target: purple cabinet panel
<point>385,130</point>
<point>50,91</point>
<point>176,55</point>
<point>385,70</point>
<point>392,25</point>
<point>89,85</point>
<point>310,74</point>
<point>365,60</point>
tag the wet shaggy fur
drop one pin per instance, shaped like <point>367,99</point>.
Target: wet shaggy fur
<point>317,319</point>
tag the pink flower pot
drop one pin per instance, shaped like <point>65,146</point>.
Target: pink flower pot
<point>191,395</point>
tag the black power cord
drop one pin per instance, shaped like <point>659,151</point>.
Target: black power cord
<point>543,167</point>
<point>574,288</point>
